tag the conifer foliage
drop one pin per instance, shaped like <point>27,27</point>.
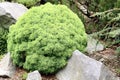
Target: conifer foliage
<point>44,38</point>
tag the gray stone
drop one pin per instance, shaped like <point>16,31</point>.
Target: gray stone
<point>81,67</point>
<point>106,74</point>
<point>14,9</point>
<point>7,69</point>
<point>35,75</point>
<point>10,12</point>
<point>93,45</point>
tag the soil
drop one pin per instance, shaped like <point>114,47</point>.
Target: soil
<point>107,56</point>
<point>20,72</point>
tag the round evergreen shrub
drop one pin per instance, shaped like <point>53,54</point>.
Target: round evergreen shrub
<point>44,38</point>
<point>3,40</point>
<point>28,3</point>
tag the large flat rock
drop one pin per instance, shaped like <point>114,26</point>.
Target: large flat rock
<point>81,67</point>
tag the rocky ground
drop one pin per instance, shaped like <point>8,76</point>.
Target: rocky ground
<point>107,56</point>
<point>20,73</point>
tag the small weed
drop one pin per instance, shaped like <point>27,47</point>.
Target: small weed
<point>24,76</point>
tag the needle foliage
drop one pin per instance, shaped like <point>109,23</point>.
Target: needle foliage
<point>44,38</point>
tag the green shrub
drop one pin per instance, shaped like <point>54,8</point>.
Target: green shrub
<point>54,1</point>
<point>44,38</point>
<point>100,5</point>
<point>106,4</point>
<point>28,3</point>
<point>117,4</point>
<point>3,40</point>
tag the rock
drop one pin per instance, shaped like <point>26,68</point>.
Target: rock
<point>81,67</point>
<point>35,75</point>
<point>106,74</point>
<point>14,9</point>
<point>7,69</point>
<point>93,45</point>
<point>10,12</point>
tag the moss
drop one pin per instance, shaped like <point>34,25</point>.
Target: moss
<point>44,38</point>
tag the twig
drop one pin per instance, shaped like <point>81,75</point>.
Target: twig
<point>83,9</point>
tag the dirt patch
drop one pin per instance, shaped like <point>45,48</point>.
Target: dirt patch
<point>49,77</point>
